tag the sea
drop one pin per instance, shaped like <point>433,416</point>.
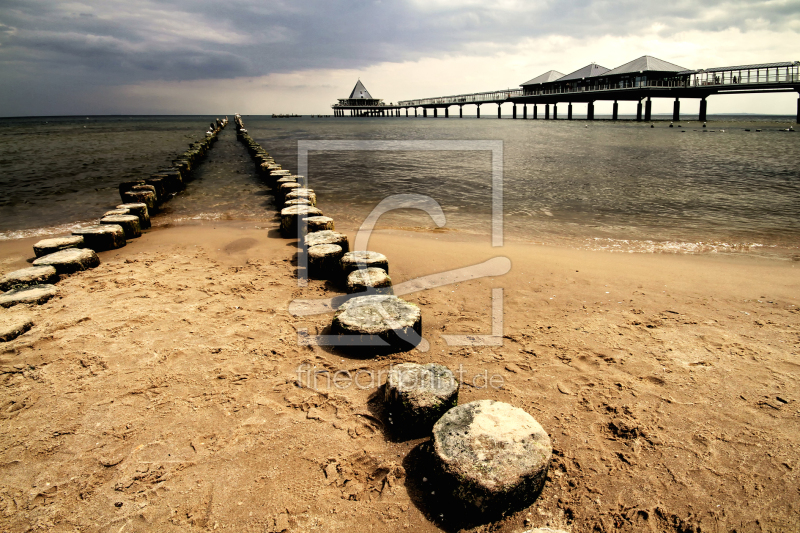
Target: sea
<point>732,187</point>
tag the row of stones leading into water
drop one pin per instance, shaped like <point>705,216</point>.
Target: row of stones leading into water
<point>63,256</point>
<point>490,455</point>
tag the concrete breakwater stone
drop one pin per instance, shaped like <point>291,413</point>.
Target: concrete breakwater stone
<point>323,261</point>
<point>298,201</point>
<point>36,294</point>
<point>101,237</point>
<point>290,217</point>
<point>492,455</point>
<point>374,279</point>
<point>48,246</point>
<point>388,318</point>
<point>160,184</point>
<point>363,259</point>
<point>318,223</point>
<point>140,210</point>
<point>14,328</point>
<point>35,275</point>
<point>116,212</point>
<point>418,395</point>
<point>147,198</point>
<point>71,260</point>
<point>150,188</point>
<point>309,194</point>
<point>285,179</point>
<point>286,188</point>
<point>327,237</point>
<point>129,224</point>
<point>126,186</point>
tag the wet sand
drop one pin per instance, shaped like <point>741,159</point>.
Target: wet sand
<point>160,391</point>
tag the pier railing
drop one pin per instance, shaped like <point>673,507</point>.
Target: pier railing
<point>725,78</point>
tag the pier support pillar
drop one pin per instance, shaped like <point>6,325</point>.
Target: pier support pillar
<point>615,111</point>
<point>461,111</point>
<point>435,112</point>
<point>406,112</point>
<point>425,112</point>
<point>524,111</point>
<point>590,111</point>
<point>479,110</point>
<point>514,111</point>
<point>648,109</point>
<point>535,112</point>
<point>703,109</point>
<point>639,111</point>
<point>498,110</point>
<point>569,111</point>
<point>555,111</point>
<point>676,110</point>
<point>547,111</point>
<point>415,111</point>
<point>446,112</point>
<point>798,108</point>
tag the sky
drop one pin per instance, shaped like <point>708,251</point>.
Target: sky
<point>273,56</point>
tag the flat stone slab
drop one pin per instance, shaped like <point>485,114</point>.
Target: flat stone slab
<point>418,395</point>
<point>101,237</point>
<point>372,278</point>
<point>48,246</point>
<point>129,223</point>
<point>37,294</point>
<point>140,210</point>
<point>327,237</point>
<point>323,261</point>
<point>35,275</point>
<point>362,259</point>
<point>367,320</point>
<point>319,223</point>
<point>492,455</point>
<point>291,215</point>
<point>14,328</point>
<point>71,260</point>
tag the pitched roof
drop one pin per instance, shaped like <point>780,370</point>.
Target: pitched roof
<point>592,69</point>
<point>646,63</point>
<point>359,91</point>
<point>550,75</point>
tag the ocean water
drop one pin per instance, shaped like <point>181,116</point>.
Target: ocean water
<point>618,186</point>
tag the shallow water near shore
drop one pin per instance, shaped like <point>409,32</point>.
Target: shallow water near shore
<point>617,186</point>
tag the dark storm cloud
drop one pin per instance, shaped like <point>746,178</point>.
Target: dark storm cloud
<point>119,42</point>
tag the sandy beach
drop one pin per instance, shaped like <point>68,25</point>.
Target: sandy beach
<point>160,391</point>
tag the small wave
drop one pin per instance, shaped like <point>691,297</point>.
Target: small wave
<point>43,232</point>
<point>672,247</point>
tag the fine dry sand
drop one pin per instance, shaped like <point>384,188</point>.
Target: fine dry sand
<point>159,391</point>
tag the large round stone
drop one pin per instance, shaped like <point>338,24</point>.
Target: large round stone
<point>369,279</point>
<point>285,188</point>
<point>327,237</point>
<point>492,455</point>
<point>69,261</point>
<point>160,183</point>
<point>150,188</point>
<point>126,186</point>
<point>363,259</point>
<point>102,237</point>
<point>323,261</point>
<point>367,320</point>
<point>418,395</point>
<point>48,246</point>
<point>318,223</point>
<point>290,217</point>
<point>129,223</point>
<point>140,210</point>
<point>35,275</point>
<point>309,194</point>
<point>298,201</point>
<point>140,197</point>
<point>37,294</point>
<point>285,179</point>
<point>116,212</point>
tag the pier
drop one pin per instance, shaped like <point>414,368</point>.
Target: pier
<point>640,81</point>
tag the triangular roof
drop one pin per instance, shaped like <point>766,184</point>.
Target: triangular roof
<point>592,69</point>
<point>646,63</point>
<point>359,91</point>
<point>550,75</point>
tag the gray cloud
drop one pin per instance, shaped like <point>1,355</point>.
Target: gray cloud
<point>116,42</point>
